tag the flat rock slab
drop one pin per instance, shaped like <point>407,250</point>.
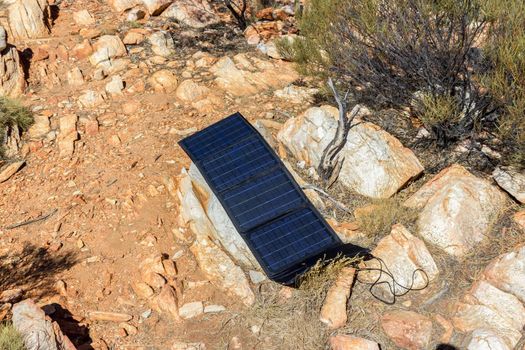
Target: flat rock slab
<point>376,164</point>
<point>457,209</point>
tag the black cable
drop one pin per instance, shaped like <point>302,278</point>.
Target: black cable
<point>391,286</point>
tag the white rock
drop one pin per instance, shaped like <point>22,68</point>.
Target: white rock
<point>296,94</point>
<point>375,163</point>
<point>38,331</point>
<point>256,276</point>
<point>349,342</point>
<point>25,19</point>
<point>222,227</point>
<point>188,346</point>
<point>403,254</point>
<point>507,273</point>
<point>483,339</point>
<point>155,7</point>
<point>191,310</point>
<point>254,75</point>
<point>456,209</point>
<point>40,127</point>
<point>193,13</point>
<point>216,265</point>
<point>3,38</point>
<point>512,181</point>
<point>469,318</point>
<point>91,99</point>
<point>214,309</point>
<point>135,14</point>
<point>83,18</point>
<point>107,48</point>
<point>123,5</point>
<point>68,134</point>
<point>13,81</point>
<point>162,43</point>
<point>505,304</point>
<point>190,91</point>
<point>115,86</point>
<point>75,77</point>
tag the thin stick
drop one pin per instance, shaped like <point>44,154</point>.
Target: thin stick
<point>325,194</point>
<point>32,221</point>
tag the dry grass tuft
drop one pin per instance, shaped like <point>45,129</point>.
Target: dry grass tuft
<point>10,339</point>
<point>377,218</point>
<point>293,323</point>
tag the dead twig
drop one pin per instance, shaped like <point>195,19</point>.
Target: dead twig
<point>331,160</point>
<point>328,196</point>
<point>32,221</point>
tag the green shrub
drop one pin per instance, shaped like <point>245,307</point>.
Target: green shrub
<point>13,115</point>
<point>458,65</point>
<point>10,339</point>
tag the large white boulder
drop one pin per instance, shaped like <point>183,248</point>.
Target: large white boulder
<point>456,209</point>
<point>375,163</point>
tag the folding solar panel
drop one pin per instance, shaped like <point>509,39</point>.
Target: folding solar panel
<point>285,232</point>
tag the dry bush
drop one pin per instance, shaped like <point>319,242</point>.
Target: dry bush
<point>376,219</point>
<point>506,79</point>
<point>294,323</point>
<point>10,339</point>
<point>456,65</point>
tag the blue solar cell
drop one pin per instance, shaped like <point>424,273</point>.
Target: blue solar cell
<point>217,137</point>
<point>291,239</point>
<point>279,224</point>
<point>262,199</point>
<point>236,164</point>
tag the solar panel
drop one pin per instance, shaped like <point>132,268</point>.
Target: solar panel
<point>236,164</point>
<point>291,239</point>
<point>283,229</point>
<point>266,197</point>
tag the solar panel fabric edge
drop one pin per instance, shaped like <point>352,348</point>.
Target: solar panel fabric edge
<point>287,275</point>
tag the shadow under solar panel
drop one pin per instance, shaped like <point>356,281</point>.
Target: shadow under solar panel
<point>285,232</point>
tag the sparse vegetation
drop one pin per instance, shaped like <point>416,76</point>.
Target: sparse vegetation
<point>10,339</point>
<point>13,115</point>
<point>456,65</point>
<point>293,323</point>
<point>135,24</point>
<point>377,218</point>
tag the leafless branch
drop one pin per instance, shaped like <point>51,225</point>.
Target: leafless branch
<point>331,160</point>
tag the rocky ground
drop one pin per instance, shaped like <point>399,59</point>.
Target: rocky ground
<point>109,230</point>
